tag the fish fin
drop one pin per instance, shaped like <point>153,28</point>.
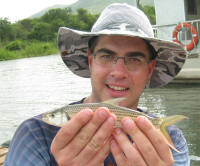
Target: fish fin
<point>167,121</point>
<point>114,101</point>
<point>67,115</point>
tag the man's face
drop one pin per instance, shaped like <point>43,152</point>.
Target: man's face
<point>119,80</point>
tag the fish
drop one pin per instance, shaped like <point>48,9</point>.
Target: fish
<point>62,115</point>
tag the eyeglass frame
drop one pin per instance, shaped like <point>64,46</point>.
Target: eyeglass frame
<point>116,58</point>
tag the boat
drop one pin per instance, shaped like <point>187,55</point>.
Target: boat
<point>179,21</point>
<point>3,151</point>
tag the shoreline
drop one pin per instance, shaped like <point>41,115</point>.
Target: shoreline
<point>28,49</point>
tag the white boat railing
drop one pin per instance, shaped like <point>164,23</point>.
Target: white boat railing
<point>185,35</point>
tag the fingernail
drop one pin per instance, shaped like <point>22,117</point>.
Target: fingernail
<point>102,113</point>
<point>127,123</point>
<point>144,122</point>
<point>111,120</point>
<point>142,119</point>
<point>114,116</point>
<point>88,112</point>
<point>118,131</point>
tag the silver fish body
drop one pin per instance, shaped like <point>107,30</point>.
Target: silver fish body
<point>60,116</point>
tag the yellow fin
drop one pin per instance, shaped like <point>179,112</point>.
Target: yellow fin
<point>167,121</point>
<point>114,101</point>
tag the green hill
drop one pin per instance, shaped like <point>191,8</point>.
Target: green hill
<point>41,13</point>
<point>96,6</point>
<point>93,6</point>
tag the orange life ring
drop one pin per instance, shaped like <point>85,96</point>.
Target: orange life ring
<point>192,29</point>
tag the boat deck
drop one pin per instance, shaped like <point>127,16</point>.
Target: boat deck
<point>190,72</point>
<point>3,152</point>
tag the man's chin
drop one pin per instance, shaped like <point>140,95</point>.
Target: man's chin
<point>129,104</point>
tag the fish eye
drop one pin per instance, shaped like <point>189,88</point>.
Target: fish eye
<point>52,115</point>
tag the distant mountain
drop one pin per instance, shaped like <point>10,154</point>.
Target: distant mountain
<point>93,6</point>
<point>96,6</point>
<point>42,12</point>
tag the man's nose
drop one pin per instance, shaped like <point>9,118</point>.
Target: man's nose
<point>119,69</point>
<point>120,63</point>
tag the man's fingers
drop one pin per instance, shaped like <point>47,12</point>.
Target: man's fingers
<point>98,140</point>
<point>131,153</point>
<point>101,155</point>
<point>118,154</point>
<point>156,138</point>
<point>145,136</point>
<point>70,129</point>
<point>82,140</point>
<point>85,135</point>
<point>142,142</point>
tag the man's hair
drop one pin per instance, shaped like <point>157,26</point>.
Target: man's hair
<point>151,50</point>
<point>92,43</point>
<point>94,40</point>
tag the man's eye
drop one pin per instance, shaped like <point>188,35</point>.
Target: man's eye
<point>106,56</point>
<point>134,59</point>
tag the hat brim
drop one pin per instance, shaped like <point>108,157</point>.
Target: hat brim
<point>73,45</point>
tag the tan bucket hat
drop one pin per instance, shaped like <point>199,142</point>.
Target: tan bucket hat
<point>125,20</point>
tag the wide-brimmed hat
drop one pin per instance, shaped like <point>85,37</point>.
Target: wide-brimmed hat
<point>123,20</point>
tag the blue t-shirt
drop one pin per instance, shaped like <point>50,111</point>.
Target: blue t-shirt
<point>31,143</point>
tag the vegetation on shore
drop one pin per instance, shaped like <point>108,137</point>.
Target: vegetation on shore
<point>24,49</point>
<point>38,36</point>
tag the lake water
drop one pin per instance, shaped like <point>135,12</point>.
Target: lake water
<point>35,85</point>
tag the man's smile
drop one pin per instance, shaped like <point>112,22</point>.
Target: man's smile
<point>117,88</point>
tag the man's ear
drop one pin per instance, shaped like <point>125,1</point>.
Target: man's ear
<point>89,58</point>
<point>152,65</point>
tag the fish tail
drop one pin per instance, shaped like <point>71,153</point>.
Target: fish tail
<point>167,121</point>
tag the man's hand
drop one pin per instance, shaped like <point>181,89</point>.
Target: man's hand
<point>149,147</point>
<point>85,139</point>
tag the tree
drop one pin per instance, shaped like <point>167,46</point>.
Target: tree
<point>42,32</point>
<point>58,13</point>
<point>150,12</point>
<point>6,31</point>
<point>56,23</point>
<point>86,19</point>
<point>27,24</point>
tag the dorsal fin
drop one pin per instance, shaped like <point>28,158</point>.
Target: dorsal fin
<point>114,101</point>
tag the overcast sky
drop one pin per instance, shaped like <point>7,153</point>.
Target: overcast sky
<point>16,10</point>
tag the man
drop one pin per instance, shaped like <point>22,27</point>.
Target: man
<point>122,58</point>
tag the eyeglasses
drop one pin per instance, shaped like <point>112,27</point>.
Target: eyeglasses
<point>133,61</point>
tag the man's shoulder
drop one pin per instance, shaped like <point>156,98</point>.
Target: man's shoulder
<point>35,126</point>
<point>33,132</point>
<point>177,137</point>
<point>33,135</point>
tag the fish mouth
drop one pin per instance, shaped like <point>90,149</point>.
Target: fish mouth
<point>117,88</point>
